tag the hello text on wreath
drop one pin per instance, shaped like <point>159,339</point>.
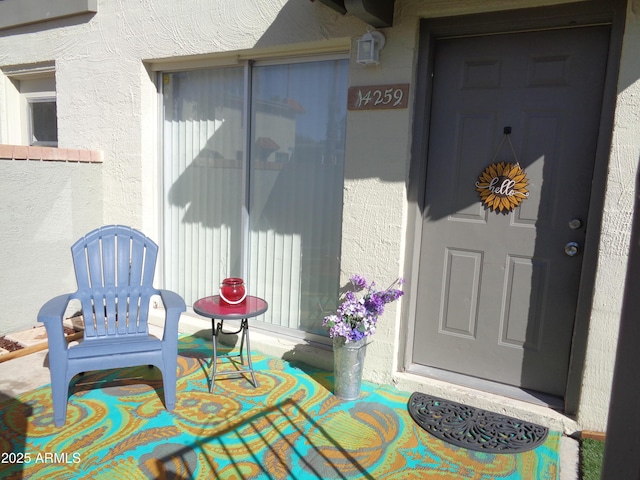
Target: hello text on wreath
<point>503,186</point>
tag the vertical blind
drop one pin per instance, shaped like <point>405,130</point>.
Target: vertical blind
<point>203,179</point>
<point>291,185</point>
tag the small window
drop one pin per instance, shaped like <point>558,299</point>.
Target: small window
<point>43,122</point>
<point>30,108</point>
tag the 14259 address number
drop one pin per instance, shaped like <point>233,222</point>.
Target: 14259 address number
<point>378,97</point>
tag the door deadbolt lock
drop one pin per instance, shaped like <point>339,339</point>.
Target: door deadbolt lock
<point>575,224</point>
<point>572,249</point>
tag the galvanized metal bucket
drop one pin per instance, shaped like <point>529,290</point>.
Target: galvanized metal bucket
<point>348,360</point>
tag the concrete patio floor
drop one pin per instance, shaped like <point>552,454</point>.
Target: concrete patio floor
<point>25,373</point>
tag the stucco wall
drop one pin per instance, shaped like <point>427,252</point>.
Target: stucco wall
<point>46,206</point>
<point>107,100</point>
<point>614,246</point>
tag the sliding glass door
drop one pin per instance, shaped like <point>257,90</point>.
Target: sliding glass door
<point>262,198</point>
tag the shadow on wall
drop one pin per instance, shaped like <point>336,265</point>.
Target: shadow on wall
<point>622,448</point>
<point>46,24</point>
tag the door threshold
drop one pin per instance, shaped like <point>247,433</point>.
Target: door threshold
<point>530,396</point>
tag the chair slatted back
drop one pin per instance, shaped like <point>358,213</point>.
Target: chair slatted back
<point>114,266</point>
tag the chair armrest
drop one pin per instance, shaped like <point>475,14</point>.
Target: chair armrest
<point>54,309</point>
<point>172,301</point>
<point>51,315</point>
<point>173,305</point>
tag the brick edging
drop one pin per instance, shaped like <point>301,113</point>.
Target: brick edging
<point>49,154</point>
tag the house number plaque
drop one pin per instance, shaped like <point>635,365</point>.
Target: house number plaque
<point>378,97</point>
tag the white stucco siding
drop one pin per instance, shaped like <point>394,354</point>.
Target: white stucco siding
<point>616,226</point>
<point>46,206</point>
<point>375,196</point>
<point>373,221</point>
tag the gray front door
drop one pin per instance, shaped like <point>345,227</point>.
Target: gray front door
<point>497,292</point>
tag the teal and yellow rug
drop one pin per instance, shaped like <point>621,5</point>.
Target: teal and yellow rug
<point>290,427</point>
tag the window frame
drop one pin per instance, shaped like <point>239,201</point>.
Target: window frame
<point>25,82</point>
<point>30,101</point>
<point>247,64</point>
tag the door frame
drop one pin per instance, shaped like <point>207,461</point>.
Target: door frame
<point>544,18</point>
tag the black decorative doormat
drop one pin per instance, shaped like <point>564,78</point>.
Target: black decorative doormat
<point>473,428</point>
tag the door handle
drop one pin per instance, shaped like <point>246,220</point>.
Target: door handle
<point>572,249</point>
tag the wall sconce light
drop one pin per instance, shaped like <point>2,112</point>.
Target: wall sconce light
<point>369,47</point>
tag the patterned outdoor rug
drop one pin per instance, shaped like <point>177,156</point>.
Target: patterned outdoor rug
<point>474,428</point>
<point>290,427</point>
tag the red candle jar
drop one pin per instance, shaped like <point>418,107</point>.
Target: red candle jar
<point>232,291</point>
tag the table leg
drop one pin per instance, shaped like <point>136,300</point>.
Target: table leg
<point>244,327</point>
<point>217,330</point>
<point>214,359</point>
<point>245,331</point>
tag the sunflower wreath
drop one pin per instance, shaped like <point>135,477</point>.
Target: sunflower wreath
<point>502,186</point>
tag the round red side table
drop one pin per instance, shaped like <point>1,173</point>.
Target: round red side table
<point>218,311</point>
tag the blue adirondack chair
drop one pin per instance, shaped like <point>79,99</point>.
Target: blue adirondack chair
<point>114,268</point>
